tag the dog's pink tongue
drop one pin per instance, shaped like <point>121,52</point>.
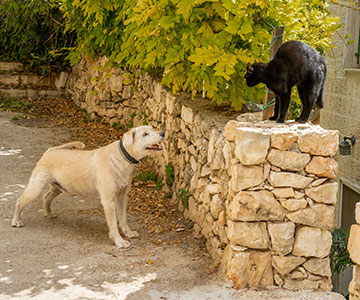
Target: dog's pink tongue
<point>155,147</point>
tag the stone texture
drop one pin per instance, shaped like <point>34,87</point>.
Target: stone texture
<point>323,167</point>
<point>247,268</point>
<point>282,237</point>
<point>325,193</point>
<point>252,235</point>
<point>216,206</point>
<point>286,264</point>
<point>286,179</point>
<point>293,204</point>
<point>312,242</point>
<point>319,215</point>
<point>251,145</point>
<point>230,130</point>
<point>319,142</point>
<point>283,192</point>
<point>243,177</point>
<point>255,206</point>
<point>187,114</point>
<point>354,243</point>
<point>318,266</point>
<point>288,160</point>
<point>282,140</point>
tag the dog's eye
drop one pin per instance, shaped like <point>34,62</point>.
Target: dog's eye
<point>145,134</point>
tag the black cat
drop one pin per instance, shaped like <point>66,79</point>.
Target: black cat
<point>295,63</point>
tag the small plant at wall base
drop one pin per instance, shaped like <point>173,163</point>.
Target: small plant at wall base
<point>169,174</point>
<point>184,196</point>
<point>339,255</point>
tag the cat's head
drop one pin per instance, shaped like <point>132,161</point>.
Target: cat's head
<point>253,73</point>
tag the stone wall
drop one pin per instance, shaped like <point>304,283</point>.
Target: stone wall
<point>262,194</point>
<point>354,251</point>
<point>342,91</point>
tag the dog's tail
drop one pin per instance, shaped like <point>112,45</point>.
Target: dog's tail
<point>70,146</point>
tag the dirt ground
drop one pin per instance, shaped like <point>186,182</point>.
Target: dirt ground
<point>71,256</point>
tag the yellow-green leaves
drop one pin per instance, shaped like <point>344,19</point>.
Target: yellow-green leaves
<point>201,45</point>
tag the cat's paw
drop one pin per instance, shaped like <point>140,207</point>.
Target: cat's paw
<point>280,121</point>
<point>273,118</point>
<point>302,121</point>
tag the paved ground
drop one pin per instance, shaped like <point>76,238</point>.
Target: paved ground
<point>71,256</point>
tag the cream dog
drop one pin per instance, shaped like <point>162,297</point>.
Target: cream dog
<point>107,171</point>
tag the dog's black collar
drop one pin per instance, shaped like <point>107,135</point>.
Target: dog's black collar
<point>126,154</point>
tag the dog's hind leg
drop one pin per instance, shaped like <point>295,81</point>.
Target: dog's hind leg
<point>121,208</point>
<point>36,185</point>
<point>108,202</point>
<point>48,198</point>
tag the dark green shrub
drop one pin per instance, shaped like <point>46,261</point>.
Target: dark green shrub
<point>32,32</point>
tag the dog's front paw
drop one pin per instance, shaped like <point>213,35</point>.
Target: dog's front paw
<point>131,234</point>
<point>17,223</point>
<point>123,244</point>
<point>49,215</point>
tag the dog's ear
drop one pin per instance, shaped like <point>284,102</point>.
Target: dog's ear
<point>128,137</point>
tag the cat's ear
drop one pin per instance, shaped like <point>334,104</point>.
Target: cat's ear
<point>250,69</point>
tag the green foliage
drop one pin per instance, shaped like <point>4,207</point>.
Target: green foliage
<point>184,196</point>
<point>131,121</point>
<point>32,32</point>
<point>144,118</point>
<point>151,176</point>
<point>194,46</point>
<point>14,104</point>
<point>169,174</point>
<point>147,176</point>
<point>339,255</point>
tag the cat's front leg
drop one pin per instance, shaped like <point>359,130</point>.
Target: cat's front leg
<point>276,109</point>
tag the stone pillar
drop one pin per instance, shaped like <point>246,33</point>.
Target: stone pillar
<point>281,205</point>
<point>354,251</point>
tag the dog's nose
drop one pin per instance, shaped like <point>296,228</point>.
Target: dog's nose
<point>162,134</point>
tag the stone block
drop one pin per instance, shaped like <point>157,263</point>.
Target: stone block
<point>286,264</point>
<point>288,160</point>
<point>243,177</point>
<point>293,204</point>
<point>325,193</point>
<point>317,141</point>
<point>187,115</point>
<point>282,237</point>
<point>230,130</point>
<point>354,243</point>
<point>319,215</point>
<point>255,206</point>
<point>287,179</point>
<point>318,266</point>
<point>323,167</point>
<point>283,192</point>
<point>251,145</point>
<point>282,139</point>
<point>252,235</point>
<point>312,242</point>
<point>216,205</point>
<point>247,268</point>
